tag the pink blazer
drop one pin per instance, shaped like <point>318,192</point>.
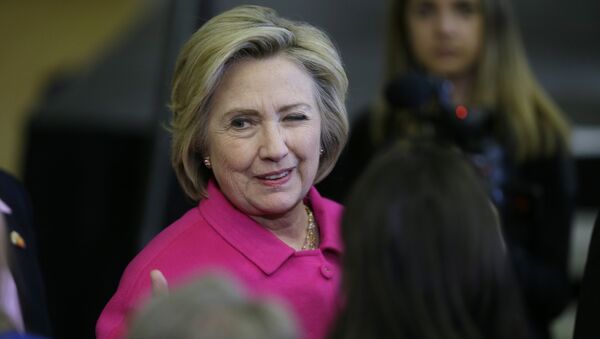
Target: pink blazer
<point>216,236</point>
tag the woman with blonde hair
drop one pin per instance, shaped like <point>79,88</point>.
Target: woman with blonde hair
<point>258,118</point>
<point>456,71</point>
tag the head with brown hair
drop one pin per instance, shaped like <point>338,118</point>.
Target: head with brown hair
<point>424,252</point>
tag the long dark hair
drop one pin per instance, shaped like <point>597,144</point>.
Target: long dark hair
<point>424,253</point>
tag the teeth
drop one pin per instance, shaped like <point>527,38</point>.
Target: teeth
<point>276,176</point>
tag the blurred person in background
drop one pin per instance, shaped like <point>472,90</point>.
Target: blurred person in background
<point>457,71</point>
<point>259,117</point>
<point>424,252</point>
<point>588,306</point>
<point>211,307</point>
<point>22,296</point>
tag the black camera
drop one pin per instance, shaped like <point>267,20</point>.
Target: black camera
<point>428,100</point>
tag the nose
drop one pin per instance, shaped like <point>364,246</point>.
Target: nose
<point>273,145</point>
<point>445,23</point>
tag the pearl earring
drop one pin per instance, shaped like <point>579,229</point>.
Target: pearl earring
<point>207,162</point>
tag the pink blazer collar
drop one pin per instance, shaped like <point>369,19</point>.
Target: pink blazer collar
<point>256,243</point>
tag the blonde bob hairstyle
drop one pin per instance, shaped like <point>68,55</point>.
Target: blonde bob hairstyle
<point>530,120</point>
<point>250,32</point>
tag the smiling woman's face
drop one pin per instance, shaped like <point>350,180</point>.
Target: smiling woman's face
<point>445,36</point>
<point>264,135</point>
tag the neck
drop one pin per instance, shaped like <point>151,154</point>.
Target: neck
<point>462,88</point>
<point>289,228</point>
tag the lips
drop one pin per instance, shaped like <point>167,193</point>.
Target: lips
<point>276,177</point>
<point>445,52</point>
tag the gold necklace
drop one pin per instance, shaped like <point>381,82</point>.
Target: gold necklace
<point>311,242</point>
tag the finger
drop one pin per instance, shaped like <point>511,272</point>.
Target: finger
<point>159,283</point>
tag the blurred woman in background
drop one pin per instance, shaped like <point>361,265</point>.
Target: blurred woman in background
<point>456,71</point>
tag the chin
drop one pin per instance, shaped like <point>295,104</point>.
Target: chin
<point>278,205</point>
<point>450,71</point>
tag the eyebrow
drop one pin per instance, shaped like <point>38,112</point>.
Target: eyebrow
<point>281,109</point>
<point>294,106</point>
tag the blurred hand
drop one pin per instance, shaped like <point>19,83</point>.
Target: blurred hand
<point>160,286</point>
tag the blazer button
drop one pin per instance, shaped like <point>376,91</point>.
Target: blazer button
<point>326,271</point>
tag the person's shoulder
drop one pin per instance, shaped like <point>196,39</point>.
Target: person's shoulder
<point>334,211</point>
<point>180,233</point>
<point>4,175</point>
<point>589,296</point>
<point>331,205</point>
<point>559,160</point>
<point>14,194</point>
<point>162,252</point>
<point>324,208</point>
<point>328,214</point>
<point>321,202</point>
<point>9,185</point>
<point>17,335</point>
